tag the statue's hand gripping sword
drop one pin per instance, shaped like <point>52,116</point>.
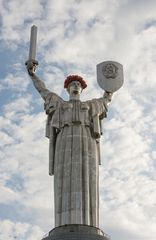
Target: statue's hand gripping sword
<point>31,63</point>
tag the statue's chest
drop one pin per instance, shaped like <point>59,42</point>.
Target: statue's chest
<point>74,111</point>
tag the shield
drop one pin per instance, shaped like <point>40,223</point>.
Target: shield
<point>110,75</point>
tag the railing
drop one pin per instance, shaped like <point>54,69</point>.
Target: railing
<point>45,235</point>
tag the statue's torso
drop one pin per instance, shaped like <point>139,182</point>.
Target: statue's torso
<point>65,113</point>
<point>74,112</point>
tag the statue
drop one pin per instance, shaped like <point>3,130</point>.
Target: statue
<point>74,130</point>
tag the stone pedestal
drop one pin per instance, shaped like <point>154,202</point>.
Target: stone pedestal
<point>76,232</point>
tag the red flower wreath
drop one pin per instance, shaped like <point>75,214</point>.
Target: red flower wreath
<point>71,78</point>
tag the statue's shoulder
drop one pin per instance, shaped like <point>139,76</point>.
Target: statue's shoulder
<point>53,97</point>
<point>52,102</point>
<point>94,100</point>
<point>90,103</point>
<point>97,106</point>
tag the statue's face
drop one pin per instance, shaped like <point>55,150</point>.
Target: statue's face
<point>74,88</point>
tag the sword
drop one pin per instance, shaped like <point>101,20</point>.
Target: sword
<point>32,48</point>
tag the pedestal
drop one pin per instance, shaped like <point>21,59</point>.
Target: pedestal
<point>76,232</point>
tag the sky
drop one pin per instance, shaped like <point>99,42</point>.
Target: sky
<point>73,37</point>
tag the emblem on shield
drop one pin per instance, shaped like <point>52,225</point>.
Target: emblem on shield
<point>110,75</point>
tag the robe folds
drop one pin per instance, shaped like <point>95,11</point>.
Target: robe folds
<point>74,130</point>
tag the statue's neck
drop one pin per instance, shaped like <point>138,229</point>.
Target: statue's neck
<point>74,97</point>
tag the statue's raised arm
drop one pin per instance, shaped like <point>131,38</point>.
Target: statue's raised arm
<point>38,83</point>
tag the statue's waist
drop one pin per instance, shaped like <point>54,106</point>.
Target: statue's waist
<point>75,123</point>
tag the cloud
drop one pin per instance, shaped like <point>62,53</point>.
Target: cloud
<point>17,230</point>
<point>15,82</point>
<point>13,20</point>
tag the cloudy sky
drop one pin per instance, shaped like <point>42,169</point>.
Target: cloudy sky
<point>73,37</point>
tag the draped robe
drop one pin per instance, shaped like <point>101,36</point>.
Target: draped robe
<point>74,130</point>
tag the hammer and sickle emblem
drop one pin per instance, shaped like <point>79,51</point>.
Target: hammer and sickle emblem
<point>110,70</point>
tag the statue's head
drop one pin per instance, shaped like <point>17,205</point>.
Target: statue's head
<point>74,84</point>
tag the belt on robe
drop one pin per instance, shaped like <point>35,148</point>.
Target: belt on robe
<point>75,124</point>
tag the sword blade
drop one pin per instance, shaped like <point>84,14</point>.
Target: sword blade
<point>33,42</point>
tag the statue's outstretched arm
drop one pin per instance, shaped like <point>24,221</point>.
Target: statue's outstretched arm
<point>39,85</point>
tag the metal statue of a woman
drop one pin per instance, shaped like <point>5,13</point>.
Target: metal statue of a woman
<point>74,130</point>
